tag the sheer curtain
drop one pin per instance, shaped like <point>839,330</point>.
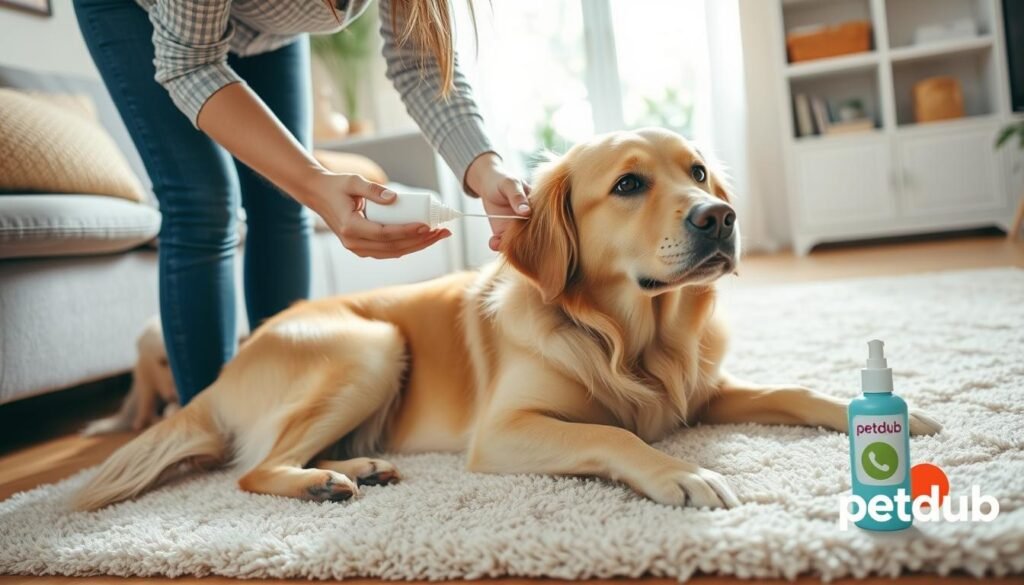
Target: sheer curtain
<point>736,129</point>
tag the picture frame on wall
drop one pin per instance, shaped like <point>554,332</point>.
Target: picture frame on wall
<point>40,7</point>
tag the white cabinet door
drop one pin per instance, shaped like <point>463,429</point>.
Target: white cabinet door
<point>950,172</point>
<point>843,184</point>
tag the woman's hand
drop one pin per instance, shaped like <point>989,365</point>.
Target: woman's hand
<point>500,192</point>
<point>239,121</point>
<point>340,200</point>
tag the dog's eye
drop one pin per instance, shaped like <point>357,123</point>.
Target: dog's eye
<point>629,184</point>
<point>699,173</point>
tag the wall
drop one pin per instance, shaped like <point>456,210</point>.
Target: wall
<point>46,44</point>
<point>730,113</point>
<point>766,178</point>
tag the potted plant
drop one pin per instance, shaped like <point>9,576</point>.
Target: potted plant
<point>347,55</point>
<point>1014,129</point>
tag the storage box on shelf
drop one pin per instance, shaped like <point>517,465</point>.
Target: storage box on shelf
<point>924,22</point>
<point>937,99</point>
<point>829,41</point>
<point>974,71</point>
<point>894,175</point>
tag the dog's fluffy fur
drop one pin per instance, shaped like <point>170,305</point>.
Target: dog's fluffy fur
<point>152,395</point>
<point>595,336</point>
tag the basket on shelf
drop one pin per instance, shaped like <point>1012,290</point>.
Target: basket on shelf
<point>829,41</point>
<point>938,98</point>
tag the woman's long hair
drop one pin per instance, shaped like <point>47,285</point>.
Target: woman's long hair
<point>429,25</point>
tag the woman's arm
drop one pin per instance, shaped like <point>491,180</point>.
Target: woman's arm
<point>191,39</point>
<point>239,121</point>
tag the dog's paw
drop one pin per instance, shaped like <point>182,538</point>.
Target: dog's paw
<point>375,471</point>
<point>366,471</point>
<point>922,424</point>
<point>332,486</point>
<point>696,486</point>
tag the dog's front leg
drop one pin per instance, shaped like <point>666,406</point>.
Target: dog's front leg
<point>532,442</point>
<point>739,401</point>
<point>530,429</point>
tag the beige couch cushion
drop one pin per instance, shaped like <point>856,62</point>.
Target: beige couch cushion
<point>53,145</point>
<point>72,225</point>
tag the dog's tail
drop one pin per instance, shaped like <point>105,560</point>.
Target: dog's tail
<point>190,436</point>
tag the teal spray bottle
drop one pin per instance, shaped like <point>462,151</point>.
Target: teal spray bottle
<point>880,444</point>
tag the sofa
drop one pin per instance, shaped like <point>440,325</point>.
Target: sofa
<point>78,272</point>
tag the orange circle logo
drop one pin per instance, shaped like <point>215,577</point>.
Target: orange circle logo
<point>923,477</point>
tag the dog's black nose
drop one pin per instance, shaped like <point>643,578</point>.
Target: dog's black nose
<point>712,220</point>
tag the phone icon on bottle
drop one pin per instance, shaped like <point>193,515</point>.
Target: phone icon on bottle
<point>880,460</point>
<point>873,458</point>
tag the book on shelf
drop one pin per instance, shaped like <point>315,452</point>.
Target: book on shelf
<point>821,120</point>
<point>816,116</point>
<point>804,122</point>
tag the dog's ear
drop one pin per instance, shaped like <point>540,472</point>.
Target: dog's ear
<point>545,248</point>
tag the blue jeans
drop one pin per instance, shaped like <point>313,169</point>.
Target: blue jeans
<point>200,186</point>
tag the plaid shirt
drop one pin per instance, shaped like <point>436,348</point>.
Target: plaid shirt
<point>192,39</point>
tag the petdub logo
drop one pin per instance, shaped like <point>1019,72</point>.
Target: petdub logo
<point>879,428</point>
<point>928,502</point>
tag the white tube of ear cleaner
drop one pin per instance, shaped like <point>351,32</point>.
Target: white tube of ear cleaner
<point>418,208</point>
<point>411,208</point>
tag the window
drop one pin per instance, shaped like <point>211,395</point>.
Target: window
<point>662,53</point>
<point>529,74</point>
<point>549,74</point>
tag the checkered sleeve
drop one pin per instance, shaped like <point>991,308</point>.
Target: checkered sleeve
<point>191,41</point>
<point>453,126</point>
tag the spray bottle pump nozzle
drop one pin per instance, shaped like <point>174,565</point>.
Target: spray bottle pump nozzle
<point>876,376</point>
<point>876,354</point>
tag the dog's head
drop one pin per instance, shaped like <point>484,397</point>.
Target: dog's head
<point>640,209</point>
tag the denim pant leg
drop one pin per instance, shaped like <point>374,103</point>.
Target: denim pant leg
<point>277,242</point>
<point>196,184</point>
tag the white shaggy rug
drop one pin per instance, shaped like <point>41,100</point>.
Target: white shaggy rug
<point>956,341</point>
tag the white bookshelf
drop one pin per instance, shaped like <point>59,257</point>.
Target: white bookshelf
<point>897,177</point>
<point>821,67</point>
<point>939,49</point>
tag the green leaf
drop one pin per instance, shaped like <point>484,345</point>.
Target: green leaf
<point>1005,135</point>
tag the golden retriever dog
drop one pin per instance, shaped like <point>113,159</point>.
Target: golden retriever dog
<point>595,336</point>
<point>152,395</point>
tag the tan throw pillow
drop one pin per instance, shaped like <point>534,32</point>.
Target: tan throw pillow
<point>78,103</point>
<point>47,148</point>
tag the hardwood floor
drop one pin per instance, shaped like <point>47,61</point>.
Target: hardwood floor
<point>883,259</point>
<point>37,447</point>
